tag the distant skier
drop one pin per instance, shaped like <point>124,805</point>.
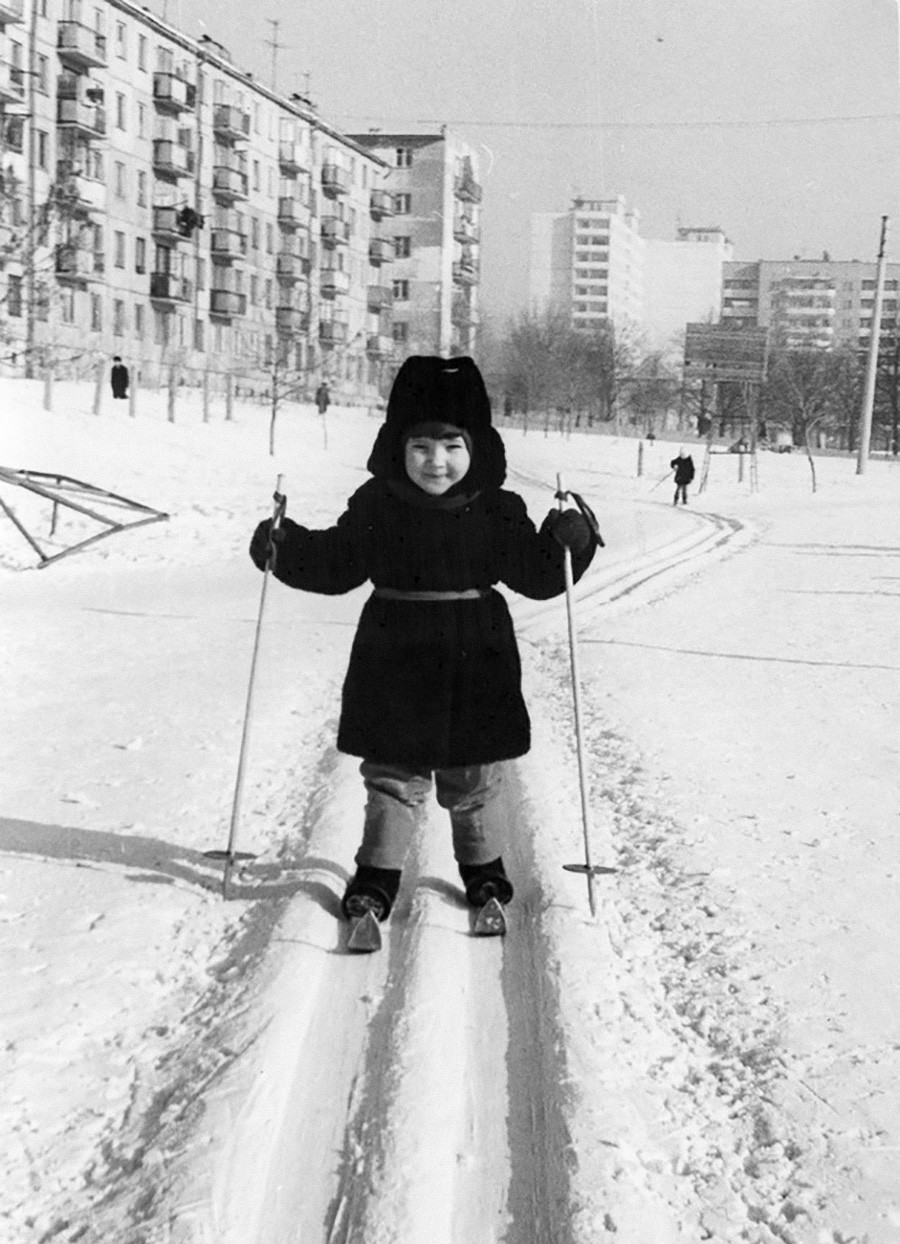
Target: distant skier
<point>323,398</point>
<point>683,466</point>
<point>118,377</point>
<point>433,686</point>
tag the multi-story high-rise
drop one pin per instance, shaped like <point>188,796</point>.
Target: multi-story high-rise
<point>589,263</point>
<point>820,304</point>
<point>436,229</point>
<point>683,284</point>
<point>160,203</point>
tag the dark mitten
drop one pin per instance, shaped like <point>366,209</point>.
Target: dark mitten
<point>571,529</point>
<point>263,540</point>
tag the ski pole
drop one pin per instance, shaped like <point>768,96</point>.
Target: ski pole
<point>230,855</point>
<point>663,480</point>
<point>587,868</point>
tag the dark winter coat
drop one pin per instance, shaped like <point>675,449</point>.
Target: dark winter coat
<point>118,377</point>
<point>684,469</point>
<point>431,684</point>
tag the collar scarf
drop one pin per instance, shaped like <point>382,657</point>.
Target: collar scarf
<point>406,490</point>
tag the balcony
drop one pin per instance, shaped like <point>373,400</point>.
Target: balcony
<point>291,159</point>
<point>88,120</point>
<point>172,94</point>
<point>291,320</point>
<point>335,181</point>
<point>227,245</point>
<point>335,232</point>
<point>381,250</point>
<point>332,282</point>
<point>170,289</point>
<point>465,187</point>
<point>80,47</point>
<point>379,298</point>
<point>379,346</point>
<point>165,223</point>
<point>78,195</point>
<point>171,159</point>
<point>290,213</point>
<point>12,84</point>
<point>332,332</point>
<point>292,268</point>
<point>465,272</point>
<point>229,184</point>
<point>226,303</point>
<point>12,11</point>
<point>381,204</point>
<point>231,123</point>
<point>75,263</point>
<point>466,231</point>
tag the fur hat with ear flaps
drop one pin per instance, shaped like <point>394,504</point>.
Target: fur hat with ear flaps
<point>428,389</point>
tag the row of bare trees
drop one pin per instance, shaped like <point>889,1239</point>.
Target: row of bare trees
<point>537,363</point>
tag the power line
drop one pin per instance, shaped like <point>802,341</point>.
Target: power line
<point>475,123</point>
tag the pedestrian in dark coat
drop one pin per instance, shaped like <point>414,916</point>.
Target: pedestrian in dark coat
<point>323,398</point>
<point>683,466</point>
<point>433,688</point>
<point>118,377</point>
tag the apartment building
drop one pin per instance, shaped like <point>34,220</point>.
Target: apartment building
<point>161,204</point>
<point>435,269</point>
<point>810,304</point>
<point>590,263</point>
<point>683,284</point>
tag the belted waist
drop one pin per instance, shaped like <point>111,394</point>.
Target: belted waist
<point>393,593</point>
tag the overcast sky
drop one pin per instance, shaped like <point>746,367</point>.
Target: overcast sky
<point>730,112</point>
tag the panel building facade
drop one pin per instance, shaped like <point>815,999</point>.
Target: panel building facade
<point>159,203</point>
<point>435,271</point>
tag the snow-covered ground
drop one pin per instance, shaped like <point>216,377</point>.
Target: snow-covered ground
<point>713,1058</point>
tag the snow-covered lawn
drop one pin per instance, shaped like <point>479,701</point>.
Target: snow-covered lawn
<point>715,1057</point>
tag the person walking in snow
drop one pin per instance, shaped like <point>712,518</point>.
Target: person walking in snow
<point>683,467</point>
<point>323,398</point>
<point>433,688</point>
<point>118,377</point>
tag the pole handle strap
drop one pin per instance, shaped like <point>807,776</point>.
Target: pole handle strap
<point>277,515</point>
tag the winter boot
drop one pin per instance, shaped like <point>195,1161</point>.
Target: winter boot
<point>371,889</point>
<point>486,881</point>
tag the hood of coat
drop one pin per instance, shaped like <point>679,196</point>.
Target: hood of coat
<point>437,390</point>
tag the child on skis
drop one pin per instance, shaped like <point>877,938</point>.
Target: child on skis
<point>432,692</point>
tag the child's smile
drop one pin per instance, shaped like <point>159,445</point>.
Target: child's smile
<point>435,464</point>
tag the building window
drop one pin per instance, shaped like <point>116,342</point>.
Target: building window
<point>254,290</point>
<point>142,120</point>
<point>15,133</point>
<point>40,74</point>
<point>43,142</point>
<point>142,52</point>
<point>160,328</point>
<point>139,319</point>
<point>67,306</point>
<point>120,40</point>
<point>96,313</point>
<point>14,296</point>
<point>257,183</point>
<point>270,238</point>
<point>120,179</point>
<point>201,274</point>
<point>140,255</point>
<point>119,248</point>
<point>198,335</point>
<point>254,233</point>
<point>142,188</point>
<point>400,331</point>
<point>401,291</point>
<point>402,247</point>
<point>269,295</point>
<point>402,204</point>
<point>118,317</point>
<point>403,157</point>
<point>120,111</point>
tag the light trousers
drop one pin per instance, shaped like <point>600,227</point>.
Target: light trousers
<point>396,793</point>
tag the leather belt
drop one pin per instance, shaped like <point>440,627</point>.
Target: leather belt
<point>393,593</point>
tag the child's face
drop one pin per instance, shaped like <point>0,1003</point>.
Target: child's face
<point>436,463</point>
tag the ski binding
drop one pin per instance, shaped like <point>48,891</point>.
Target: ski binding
<point>365,935</point>
<point>490,920</point>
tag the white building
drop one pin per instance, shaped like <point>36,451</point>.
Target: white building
<point>683,284</point>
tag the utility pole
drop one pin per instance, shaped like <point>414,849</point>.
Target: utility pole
<point>865,418</point>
